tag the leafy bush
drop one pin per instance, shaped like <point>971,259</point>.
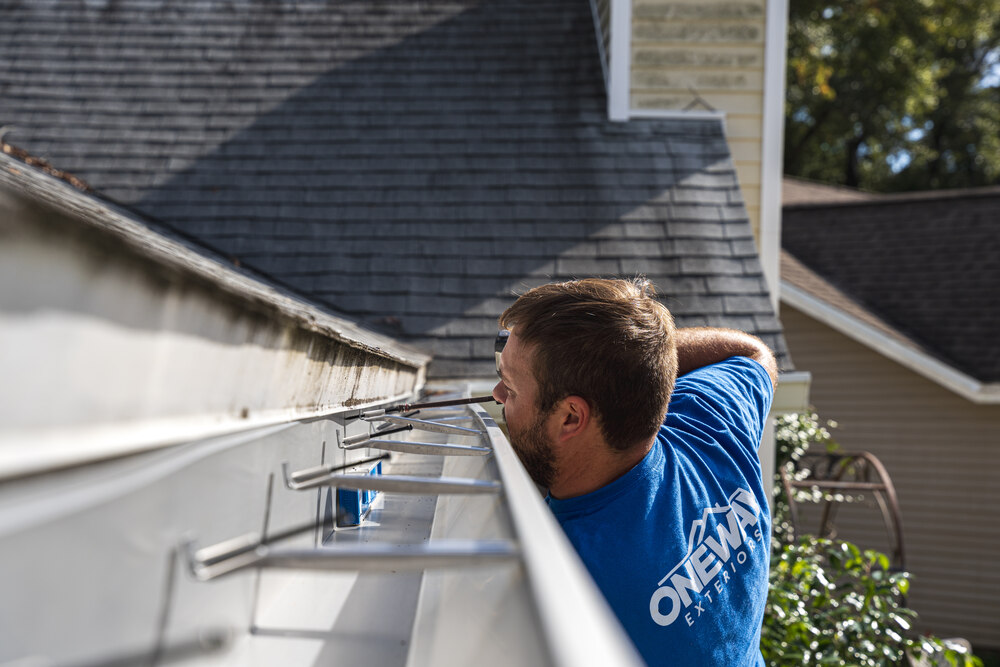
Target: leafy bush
<point>794,433</point>
<point>831,603</point>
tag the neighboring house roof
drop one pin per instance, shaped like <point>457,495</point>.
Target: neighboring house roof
<point>800,191</point>
<point>920,272</point>
<point>798,275</point>
<point>412,165</point>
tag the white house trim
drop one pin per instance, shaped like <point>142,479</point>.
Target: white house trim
<point>792,392</point>
<point>916,360</point>
<point>620,65</point>
<point>677,113</point>
<point>772,144</point>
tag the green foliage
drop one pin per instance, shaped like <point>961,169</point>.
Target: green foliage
<point>873,83</point>
<point>829,602</point>
<point>832,604</point>
<point>793,434</point>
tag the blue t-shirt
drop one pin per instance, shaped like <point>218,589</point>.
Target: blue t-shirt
<point>679,545</point>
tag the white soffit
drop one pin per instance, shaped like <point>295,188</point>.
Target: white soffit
<point>909,356</point>
<point>792,392</point>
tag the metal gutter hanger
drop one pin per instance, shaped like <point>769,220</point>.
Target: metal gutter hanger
<point>387,483</point>
<point>424,425</point>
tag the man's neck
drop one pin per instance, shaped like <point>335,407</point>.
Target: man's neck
<point>592,466</point>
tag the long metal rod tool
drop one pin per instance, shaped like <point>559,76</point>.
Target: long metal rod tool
<point>406,407</point>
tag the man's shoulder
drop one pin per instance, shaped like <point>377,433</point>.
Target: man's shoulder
<point>728,370</point>
<point>717,407</point>
<point>734,381</point>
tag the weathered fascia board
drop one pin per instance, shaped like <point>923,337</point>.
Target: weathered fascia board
<point>911,357</point>
<point>116,339</point>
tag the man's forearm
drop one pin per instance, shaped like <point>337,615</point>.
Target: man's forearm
<point>703,346</point>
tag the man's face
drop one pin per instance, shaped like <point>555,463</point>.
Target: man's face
<point>518,391</point>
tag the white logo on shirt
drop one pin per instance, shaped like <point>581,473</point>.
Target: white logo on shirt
<point>709,560</point>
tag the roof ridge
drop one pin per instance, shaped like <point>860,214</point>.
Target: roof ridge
<point>890,198</point>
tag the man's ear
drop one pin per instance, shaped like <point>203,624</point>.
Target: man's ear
<point>573,417</point>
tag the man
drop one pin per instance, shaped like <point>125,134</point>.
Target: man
<point>669,515</point>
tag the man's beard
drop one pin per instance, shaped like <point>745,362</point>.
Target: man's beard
<point>534,451</point>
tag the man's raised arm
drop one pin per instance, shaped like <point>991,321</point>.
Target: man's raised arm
<point>703,346</point>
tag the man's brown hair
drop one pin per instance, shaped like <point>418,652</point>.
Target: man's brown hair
<point>609,342</point>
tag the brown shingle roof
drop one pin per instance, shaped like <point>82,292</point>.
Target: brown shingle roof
<point>800,191</point>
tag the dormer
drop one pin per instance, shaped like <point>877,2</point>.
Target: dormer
<point>707,58</point>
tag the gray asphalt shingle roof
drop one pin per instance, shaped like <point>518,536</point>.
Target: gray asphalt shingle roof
<point>926,263</point>
<point>411,164</point>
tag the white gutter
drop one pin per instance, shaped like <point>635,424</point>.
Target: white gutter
<point>115,339</point>
<point>910,357</point>
<point>23,190</point>
<point>579,625</point>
